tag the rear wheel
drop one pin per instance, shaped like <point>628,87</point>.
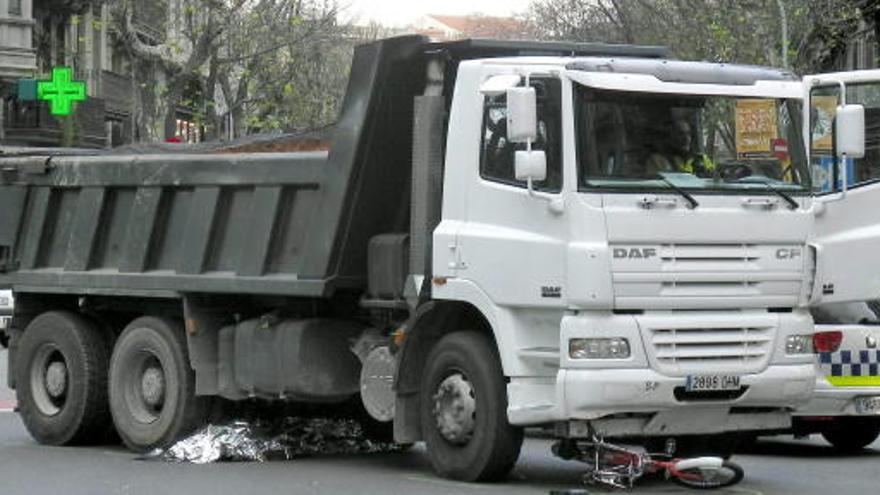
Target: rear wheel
<point>464,410</point>
<point>710,477</point>
<point>852,434</point>
<point>152,387</point>
<point>61,380</point>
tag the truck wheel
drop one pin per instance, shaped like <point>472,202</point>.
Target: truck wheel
<point>464,410</point>
<point>61,377</point>
<point>152,387</point>
<point>852,434</point>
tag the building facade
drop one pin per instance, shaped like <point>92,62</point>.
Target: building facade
<point>80,34</point>
<point>861,49</point>
<point>17,55</point>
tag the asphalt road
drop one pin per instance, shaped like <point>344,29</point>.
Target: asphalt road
<point>775,466</point>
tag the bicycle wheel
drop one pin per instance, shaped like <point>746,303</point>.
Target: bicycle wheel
<point>709,477</point>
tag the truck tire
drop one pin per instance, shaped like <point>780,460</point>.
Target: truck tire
<point>464,410</point>
<point>61,377</point>
<point>847,434</point>
<point>152,387</point>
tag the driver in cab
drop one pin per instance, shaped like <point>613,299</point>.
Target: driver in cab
<point>675,155</point>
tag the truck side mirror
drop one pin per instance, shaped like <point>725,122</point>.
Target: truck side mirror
<point>522,115</point>
<point>850,131</point>
<point>530,165</point>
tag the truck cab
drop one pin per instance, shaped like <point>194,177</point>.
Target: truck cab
<point>624,288</point>
<point>648,255</point>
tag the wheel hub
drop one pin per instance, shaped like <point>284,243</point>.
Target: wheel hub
<point>56,379</point>
<point>455,409</point>
<point>153,386</point>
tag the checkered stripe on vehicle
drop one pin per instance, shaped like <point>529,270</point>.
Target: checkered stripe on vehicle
<point>850,363</point>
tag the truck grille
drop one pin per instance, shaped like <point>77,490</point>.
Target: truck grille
<point>707,276</point>
<point>680,351</point>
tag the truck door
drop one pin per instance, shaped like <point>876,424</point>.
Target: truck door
<point>513,243</point>
<point>846,233</point>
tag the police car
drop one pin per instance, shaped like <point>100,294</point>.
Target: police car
<point>845,409</point>
<point>6,303</point>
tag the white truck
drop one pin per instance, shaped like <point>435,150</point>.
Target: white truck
<point>589,238</point>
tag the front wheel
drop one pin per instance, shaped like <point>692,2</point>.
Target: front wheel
<point>709,476</point>
<point>464,410</point>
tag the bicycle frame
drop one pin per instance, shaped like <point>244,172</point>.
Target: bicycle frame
<point>619,466</point>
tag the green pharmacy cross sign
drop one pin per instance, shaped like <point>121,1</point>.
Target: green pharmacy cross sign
<point>61,91</point>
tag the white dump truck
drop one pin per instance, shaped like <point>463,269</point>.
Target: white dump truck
<point>588,238</point>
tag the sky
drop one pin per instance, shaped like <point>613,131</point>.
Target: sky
<point>402,12</point>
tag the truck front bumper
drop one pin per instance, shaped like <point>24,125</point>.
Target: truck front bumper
<point>647,389</point>
<point>637,402</point>
<point>589,394</point>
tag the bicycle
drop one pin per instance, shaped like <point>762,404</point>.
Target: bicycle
<point>619,467</point>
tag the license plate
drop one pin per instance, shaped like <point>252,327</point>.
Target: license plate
<point>708,383</point>
<point>4,321</point>
<point>868,405</point>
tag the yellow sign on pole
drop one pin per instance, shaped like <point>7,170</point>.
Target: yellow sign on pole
<point>756,126</point>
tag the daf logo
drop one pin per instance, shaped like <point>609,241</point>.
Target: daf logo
<point>788,253</point>
<point>634,253</point>
<point>871,342</point>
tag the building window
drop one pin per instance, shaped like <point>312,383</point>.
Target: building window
<point>15,8</point>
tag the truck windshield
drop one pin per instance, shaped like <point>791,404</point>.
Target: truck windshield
<point>631,141</point>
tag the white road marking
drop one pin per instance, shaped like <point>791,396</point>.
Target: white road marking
<point>745,491</point>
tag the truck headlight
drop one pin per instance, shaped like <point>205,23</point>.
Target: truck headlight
<point>613,348</point>
<point>799,344</point>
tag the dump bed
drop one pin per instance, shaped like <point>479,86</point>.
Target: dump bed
<point>284,224</point>
<point>295,224</point>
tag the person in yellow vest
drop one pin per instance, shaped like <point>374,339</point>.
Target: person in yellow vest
<point>676,154</point>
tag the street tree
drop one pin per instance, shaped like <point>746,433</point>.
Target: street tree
<point>744,31</point>
<point>234,59</point>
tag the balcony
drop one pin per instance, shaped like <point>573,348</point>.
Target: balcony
<point>31,124</point>
<point>115,89</point>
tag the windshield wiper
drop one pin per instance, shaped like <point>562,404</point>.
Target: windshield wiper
<point>684,194</point>
<point>792,204</point>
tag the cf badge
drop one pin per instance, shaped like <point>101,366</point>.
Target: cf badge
<point>788,253</point>
<point>871,342</point>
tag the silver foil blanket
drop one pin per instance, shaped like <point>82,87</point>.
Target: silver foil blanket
<point>241,441</point>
